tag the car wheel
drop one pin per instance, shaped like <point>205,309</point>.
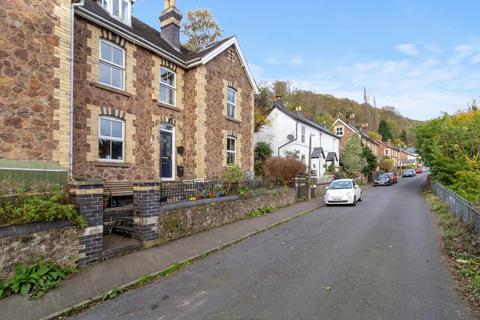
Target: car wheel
<point>354,201</point>
<point>360,199</point>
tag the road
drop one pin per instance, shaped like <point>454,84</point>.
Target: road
<point>378,260</point>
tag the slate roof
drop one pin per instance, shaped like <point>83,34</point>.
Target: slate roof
<point>302,119</point>
<point>332,156</point>
<point>317,152</point>
<point>146,32</point>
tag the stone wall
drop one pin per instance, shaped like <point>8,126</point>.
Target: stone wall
<point>60,245</point>
<point>35,80</point>
<point>174,223</point>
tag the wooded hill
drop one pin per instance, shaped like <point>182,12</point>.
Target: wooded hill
<point>325,108</point>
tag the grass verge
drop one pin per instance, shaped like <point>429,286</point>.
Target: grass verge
<point>461,247</point>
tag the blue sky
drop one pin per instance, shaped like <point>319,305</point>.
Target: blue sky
<point>422,57</point>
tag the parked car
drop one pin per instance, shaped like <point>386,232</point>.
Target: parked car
<point>409,173</point>
<point>343,191</point>
<point>382,180</point>
<point>393,177</point>
<point>418,171</point>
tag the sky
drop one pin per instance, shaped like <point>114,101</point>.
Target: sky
<point>421,56</point>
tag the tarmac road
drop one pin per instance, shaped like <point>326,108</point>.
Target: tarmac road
<point>378,260</point>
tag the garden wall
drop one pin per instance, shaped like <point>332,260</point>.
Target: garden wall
<point>184,219</point>
<point>56,241</point>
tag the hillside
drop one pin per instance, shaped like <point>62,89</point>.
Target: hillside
<point>325,108</point>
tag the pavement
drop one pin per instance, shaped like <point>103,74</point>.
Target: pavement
<point>378,260</point>
<point>93,281</point>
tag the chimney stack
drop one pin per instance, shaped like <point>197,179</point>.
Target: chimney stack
<point>389,141</point>
<point>365,128</point>
<point>351,120</point>
<point>298,110</point>
<point>170,21</point>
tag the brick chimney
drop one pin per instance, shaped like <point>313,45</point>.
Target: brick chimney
<point>298,110</point>
<point>365,128</point>
<point>170,20</point>
<point>351,120</point>
<point>389,141</point>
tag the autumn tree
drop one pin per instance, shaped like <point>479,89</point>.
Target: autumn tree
<point>386,164</point>
<point>201,29</point>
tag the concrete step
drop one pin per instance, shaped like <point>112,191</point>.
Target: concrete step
<point>125,231</point>
<point>115,245</point>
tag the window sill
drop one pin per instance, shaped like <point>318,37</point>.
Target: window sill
<point>112,164</point>
<point>233,120</point>
<point>163,105</point>
<point>111,89</point>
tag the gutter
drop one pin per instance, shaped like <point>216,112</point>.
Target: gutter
<point>72,65</point>
<point>296,137</point>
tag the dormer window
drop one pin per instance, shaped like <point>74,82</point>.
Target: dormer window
<point>118,9</point>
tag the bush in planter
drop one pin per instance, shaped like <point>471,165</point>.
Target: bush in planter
<point>285,169</point>
<point>232,176</point>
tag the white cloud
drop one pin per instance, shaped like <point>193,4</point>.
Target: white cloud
<point>408,49</point>
<point>420,88</point>
<point>291,61</point>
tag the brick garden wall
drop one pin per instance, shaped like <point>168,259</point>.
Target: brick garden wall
<point>184,221</point>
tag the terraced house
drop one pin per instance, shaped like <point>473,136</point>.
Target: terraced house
<point>133,104</point>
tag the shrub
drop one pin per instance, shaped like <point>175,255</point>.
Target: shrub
<point>34,281</point>
<point>233,174</point>
<point>26,208</point>
<point>285,169</point>
<point>260,212</point>
<point>386,164</point>
<point>263,151</point>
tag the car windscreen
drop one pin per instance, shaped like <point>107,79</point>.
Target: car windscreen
<point>383,176</point>
<point>335,185</point>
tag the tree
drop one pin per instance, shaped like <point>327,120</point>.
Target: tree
<point>403,137</point>
<point>201,29</point>
<point>351,157</point>
<point>263,152</point>
<point>325,119</point>
<point>372,162</point>
<point>263,106</point>
<point>385,130</point>
<point>386,164</point>
<point>374,135</point>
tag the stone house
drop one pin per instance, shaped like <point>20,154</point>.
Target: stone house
<point>288,133</point>
<point>346,130</point>
<point>133,104</point>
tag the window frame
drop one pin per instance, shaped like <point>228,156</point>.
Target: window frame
<point>339,134</point>
<point>110,138</point>
<point>108,6</point>
<point>232,104</point>
<point>174,87</point>
<point>303,131</point>
<point>234,151</point>
<point>112,64</point>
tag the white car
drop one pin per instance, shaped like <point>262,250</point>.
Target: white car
<point>344,191</point>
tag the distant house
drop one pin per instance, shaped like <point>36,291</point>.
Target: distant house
<point>288,133</point>
<point>346,130</point>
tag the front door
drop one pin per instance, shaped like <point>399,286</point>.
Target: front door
<point>167,156</point>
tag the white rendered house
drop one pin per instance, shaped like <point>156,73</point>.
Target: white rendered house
<point>288,133</point>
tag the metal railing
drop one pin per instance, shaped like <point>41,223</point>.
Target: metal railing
<point>189,190</point>
<point>459,206</point>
